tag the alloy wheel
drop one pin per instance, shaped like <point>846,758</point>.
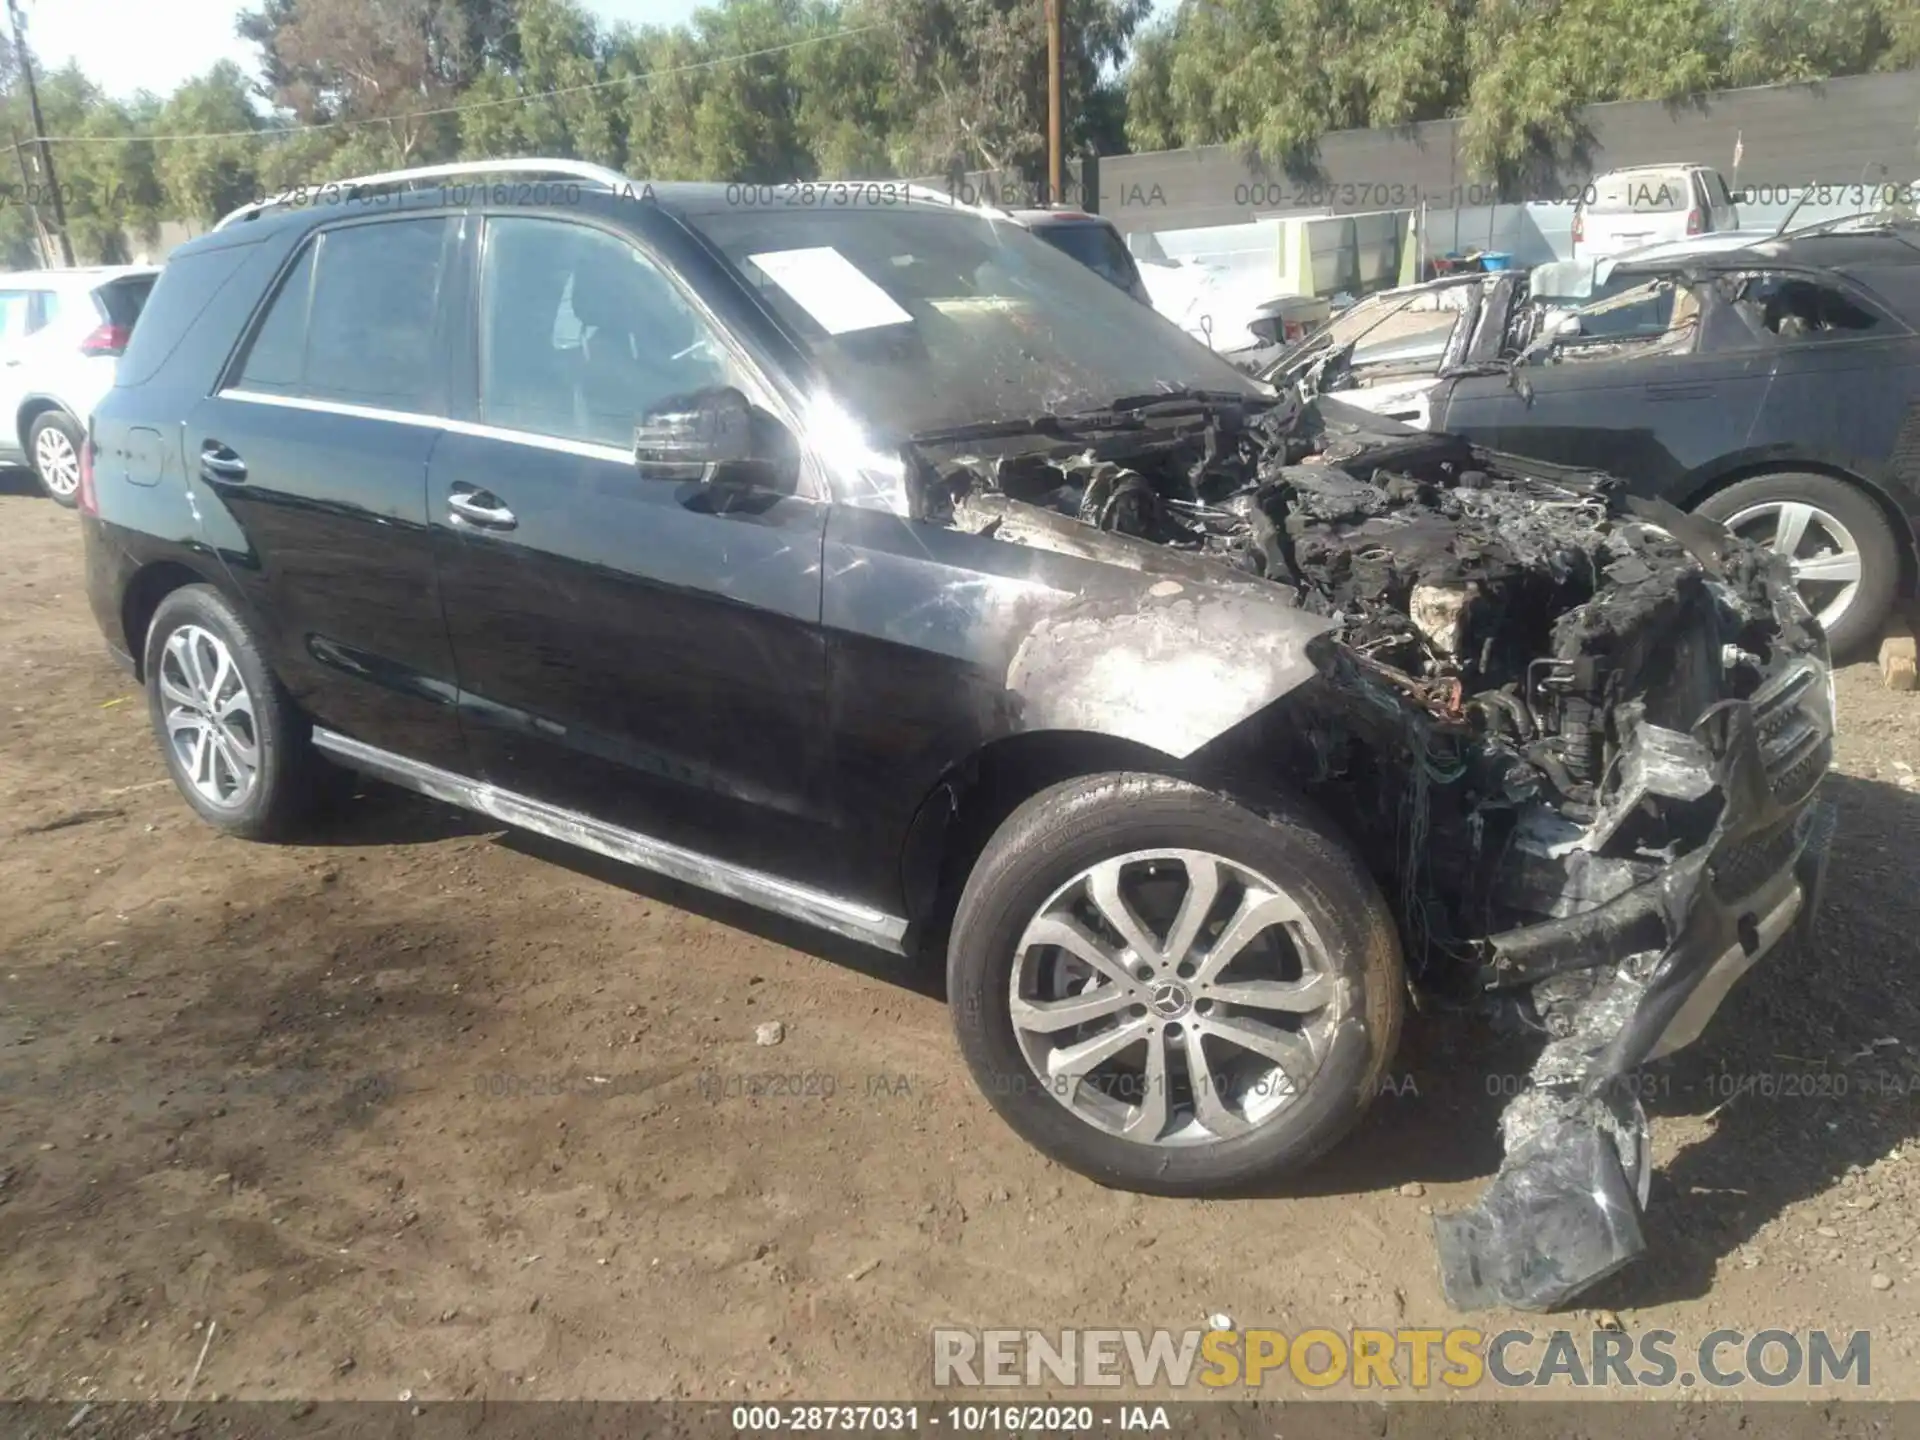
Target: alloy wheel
<point>1823,553</point>
<point>56,460</point>
<point>209,717</point>
<point>1173,997</point>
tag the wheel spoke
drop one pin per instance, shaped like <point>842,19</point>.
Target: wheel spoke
<point>1076,1062</point>
<point>1259,909</point>
<point>180,650</point>
<point>1285,1048</point>
<point>1150,1119</point>
<point>1103,888</point>
<point>181,720</point>
<point>223,671</point>
<point>1791,526</point>
<point>1828,568</point>
<point>1050,1016</point>
<point>1203,888</point>
<point>1210,1107</point>
<point>1295,997</point>
<point>172,688</point>
<point>201,761</point>
<point>1071,936</point>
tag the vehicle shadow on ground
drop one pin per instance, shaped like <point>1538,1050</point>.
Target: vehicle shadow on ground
<point>363,811</point>
<point>18,480</point>
<point>915,972</point>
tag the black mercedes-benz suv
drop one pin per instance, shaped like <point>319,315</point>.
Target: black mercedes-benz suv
<point>871,561</point>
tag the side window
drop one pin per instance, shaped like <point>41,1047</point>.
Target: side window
<point>16,314</point>
<point>1795,309</point>
<point>581,335</point>
<point>46,308</point>
<point>354,320</point>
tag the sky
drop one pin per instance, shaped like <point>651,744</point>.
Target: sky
<point>129,45</point>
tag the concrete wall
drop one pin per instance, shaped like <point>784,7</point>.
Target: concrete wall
<point>1210,205</point>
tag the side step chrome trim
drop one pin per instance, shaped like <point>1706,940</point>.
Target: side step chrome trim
<point>755,887</point>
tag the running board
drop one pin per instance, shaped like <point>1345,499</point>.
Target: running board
<point>754,887</point>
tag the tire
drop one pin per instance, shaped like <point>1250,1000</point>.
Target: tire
<point>53,453</point>
<point>1838,508</point>
<point>187,683</point>
<point>1031,869</point>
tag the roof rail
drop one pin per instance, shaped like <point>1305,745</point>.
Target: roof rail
<point>575,169</point>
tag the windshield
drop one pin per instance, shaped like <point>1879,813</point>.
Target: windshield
<point>1397,328</point>
<point>1095,246</point>
<point>928,319</point>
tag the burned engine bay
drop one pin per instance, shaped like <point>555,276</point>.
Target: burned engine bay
<point>1556,719</point>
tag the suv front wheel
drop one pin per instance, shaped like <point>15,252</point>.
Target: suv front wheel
<point>236,746</point>
<point>1168,992</point>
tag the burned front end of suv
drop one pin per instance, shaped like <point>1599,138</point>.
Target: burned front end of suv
<point>1576,735</point>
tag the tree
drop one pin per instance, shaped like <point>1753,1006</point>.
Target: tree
<point>973,78</point>
<point>553,46</point>
<point>391,61</point>
<point>1534,65</point>
<point>205,178</point>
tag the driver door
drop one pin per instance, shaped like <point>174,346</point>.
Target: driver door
<point>645,652</point>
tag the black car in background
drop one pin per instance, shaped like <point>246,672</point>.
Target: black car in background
<point>1094,242</point>
<point>1775,388</point>
<point>882,566</point>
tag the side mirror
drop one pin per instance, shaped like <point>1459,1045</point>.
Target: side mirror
<point>711,437</point>
<point>1567,327</point>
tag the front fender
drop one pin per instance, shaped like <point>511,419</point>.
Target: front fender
<point>943,641</point>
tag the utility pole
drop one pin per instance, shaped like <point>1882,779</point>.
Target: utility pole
<point>40,133</point>
<point>1055,162</point>
<point>26,191</point>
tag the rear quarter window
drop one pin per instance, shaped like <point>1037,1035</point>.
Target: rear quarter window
<point>185,288</point>
<point>121,301</point>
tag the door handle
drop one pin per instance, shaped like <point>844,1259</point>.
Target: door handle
<point>480,507</point>
<point>217,462</point>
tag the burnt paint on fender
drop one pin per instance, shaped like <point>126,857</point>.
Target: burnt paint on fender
<point>940,642</point>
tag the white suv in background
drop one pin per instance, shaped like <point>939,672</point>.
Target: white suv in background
<point>1623,210</point>
<point>61,334</point>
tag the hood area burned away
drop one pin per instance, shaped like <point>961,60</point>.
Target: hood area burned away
<point>1503,626</point>
<point>1563,725</point>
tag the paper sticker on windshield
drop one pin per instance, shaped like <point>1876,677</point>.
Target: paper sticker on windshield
<point>831,289</point>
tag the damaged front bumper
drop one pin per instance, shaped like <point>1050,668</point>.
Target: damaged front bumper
<point>1632,980</point>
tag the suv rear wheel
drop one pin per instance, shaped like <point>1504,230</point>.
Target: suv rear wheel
<point>1845,559</point>
<point>1168,992</point>
<point>53,449</point>
<point>236,746</point>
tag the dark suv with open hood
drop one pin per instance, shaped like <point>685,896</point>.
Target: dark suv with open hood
<point>877,564</point>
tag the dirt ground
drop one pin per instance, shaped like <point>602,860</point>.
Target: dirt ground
<point>425,1107</point>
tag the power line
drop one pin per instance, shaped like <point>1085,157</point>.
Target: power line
<point>528,99</point>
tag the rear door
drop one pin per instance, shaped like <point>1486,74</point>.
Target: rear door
<point>24,312</point>
<point>317,443</point>
<point>640,650</point>
<point>1642,396</point>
